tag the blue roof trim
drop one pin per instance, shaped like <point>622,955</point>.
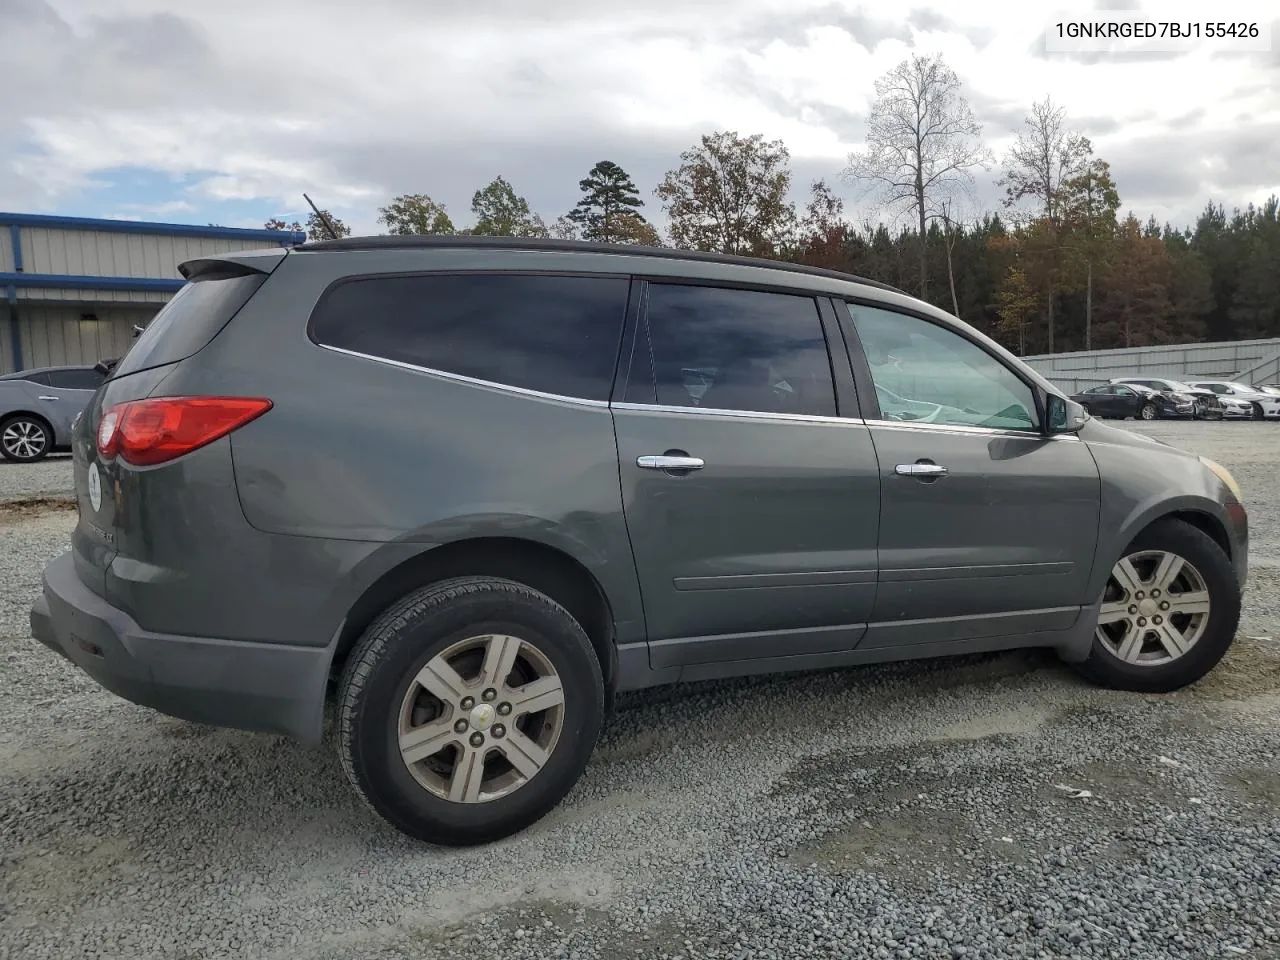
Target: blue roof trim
<point>68,282</point>
<point>281,237</point>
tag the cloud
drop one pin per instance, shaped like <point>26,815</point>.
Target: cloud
<point>357,103</point>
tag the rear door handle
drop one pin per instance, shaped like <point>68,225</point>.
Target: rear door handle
<point>670,463</point>
<point>50,398</point>
<point>920,470</point>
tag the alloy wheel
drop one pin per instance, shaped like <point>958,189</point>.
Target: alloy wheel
<point>1155,608</point>
<point>24,439</point>
<point>481,718</point>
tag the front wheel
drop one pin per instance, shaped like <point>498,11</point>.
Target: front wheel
<point>469,709</point>
<point>1147,411</point>
<point>1169,612</point>
<point>25,439</point>
<point>1258,413</point>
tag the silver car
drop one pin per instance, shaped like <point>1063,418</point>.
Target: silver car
<point>37,407</point>
<point>1235,395</point>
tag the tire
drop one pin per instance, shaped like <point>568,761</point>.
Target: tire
<point>25,439</point>
<point>1148,412</point>
<point>1215,634</point>
<point>379,693</point>
<point>1257,412</point>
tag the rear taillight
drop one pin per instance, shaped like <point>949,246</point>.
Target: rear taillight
<point>147,432</point>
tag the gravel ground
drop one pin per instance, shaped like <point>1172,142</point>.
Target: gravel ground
<point>914,810</point>
<point>50,477</point>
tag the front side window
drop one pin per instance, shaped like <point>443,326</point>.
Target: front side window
<point>925,373</point>
<point>724,349</point>
<point>553,334</point>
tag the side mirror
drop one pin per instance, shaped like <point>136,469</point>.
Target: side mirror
<point>1063,415</point>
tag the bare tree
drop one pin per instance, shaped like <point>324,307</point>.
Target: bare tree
<point>1045,156</point>
<point>951,231</point>
<point>923,142</point>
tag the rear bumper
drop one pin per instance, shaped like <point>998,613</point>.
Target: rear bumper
<point>267,687</point>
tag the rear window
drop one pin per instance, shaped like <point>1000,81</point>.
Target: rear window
<point>187,323</point>
<point>554,334</point>
<point>75,379</point>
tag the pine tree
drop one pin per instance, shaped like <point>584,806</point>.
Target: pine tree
<point>609,209</point>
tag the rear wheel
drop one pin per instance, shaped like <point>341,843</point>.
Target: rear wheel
<point>25,439</point>
<point>1147,411</point>
<point>1169,612</point>
<point>469,709</point>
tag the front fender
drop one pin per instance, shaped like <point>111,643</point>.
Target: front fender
<point>1143,481</point>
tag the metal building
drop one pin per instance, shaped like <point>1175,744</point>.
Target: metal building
<point>75,287</point>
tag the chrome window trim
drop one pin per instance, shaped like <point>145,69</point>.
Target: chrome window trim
<point>470,381</point>
<point>734,414</point>
<point>964,430</point>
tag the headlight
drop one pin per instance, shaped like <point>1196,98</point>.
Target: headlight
<point>1223,474</point>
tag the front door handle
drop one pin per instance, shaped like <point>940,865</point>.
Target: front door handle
<point>666,462</point>
<point>50,398</point>
<point>922,469</point>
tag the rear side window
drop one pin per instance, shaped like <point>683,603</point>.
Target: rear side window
<point>187,323</point>
<point>724,349</point>
<point>75,379</point>
<point>553,334</point>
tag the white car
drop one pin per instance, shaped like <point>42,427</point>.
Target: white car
<point>1236,395</point>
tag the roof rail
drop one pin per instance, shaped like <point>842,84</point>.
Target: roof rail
<point>583,246</point>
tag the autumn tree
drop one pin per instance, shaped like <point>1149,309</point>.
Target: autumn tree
<point>314,229</point>
<point>501,212</point>
<point>923,144</point>
<point>609,211</point>
<point>1088,204</point>
<point>415,214</point>
<point>1015,305</point>
<point>823,232</point>
<point>564,229</point>
<point>275,223</point>
<point>729,195</point>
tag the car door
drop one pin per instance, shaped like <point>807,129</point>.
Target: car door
<point>63,394</point>
<point>1127,400</point>
<point>987,526</point>
<point>1105,401</point>
<point>751,488</point>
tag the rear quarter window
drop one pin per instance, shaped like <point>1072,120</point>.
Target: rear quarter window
<point>552,334</point>
<point>187,323</point>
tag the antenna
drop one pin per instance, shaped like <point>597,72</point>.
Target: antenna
<point>333,234</point>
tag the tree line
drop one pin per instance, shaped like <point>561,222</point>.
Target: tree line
<point>1055,268</point>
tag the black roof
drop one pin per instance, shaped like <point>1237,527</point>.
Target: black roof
<point>582,246</point>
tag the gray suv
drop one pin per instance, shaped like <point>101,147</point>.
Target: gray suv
<point>466,489</point>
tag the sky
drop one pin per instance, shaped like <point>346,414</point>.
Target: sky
<point>226,112</point>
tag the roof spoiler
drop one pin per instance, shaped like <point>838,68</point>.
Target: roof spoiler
<point>226,266</point>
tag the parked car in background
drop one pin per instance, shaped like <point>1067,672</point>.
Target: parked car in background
<point>476,486</point>
<point>38,406</point>
<point>1123,400</point>
<point>1261,404</point>
<point>1271,388</point>
<point>1208,406</point>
